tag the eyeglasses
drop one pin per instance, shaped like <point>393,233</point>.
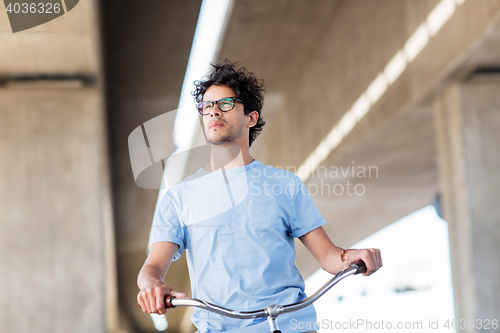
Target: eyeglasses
<point>224,104</point>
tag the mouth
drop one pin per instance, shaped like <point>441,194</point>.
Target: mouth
<point>216,124</point>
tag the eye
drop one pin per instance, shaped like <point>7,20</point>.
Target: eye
<point>225,104</point>
<point>207,106</point>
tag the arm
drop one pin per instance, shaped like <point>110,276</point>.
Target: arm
<point>328,255</point>
<point>153,290</point>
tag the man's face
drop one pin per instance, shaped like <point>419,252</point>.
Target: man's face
<point>225,127</point>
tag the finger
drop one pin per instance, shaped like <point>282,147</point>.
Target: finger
<point>373,256</point>
<point>380,258</point>
<point>376,262</point>
<point>369,262</point>
<point>145,302</point>
<point>141,303</point>
<point>377,259</point>
<point>151,301</point>
<point>160,300</point>
<point>177,294</point>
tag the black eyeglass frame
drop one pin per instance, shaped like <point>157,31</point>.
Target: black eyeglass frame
<point>200,105</point>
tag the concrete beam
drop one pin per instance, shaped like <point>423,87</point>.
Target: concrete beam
<point>67,45</point>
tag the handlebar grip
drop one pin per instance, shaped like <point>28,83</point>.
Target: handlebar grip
<point>360,267</point>
<point>168,302</point>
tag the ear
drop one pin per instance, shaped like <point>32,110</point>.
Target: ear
<point>253,117</point>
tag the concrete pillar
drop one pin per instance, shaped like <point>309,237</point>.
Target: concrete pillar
<point>56,243</point>
<point>467,121</point>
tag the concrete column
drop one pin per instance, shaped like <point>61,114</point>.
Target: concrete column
<point>55,213</point>
<point>467,121</point>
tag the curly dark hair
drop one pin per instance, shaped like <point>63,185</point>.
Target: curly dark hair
<point>244,84</point>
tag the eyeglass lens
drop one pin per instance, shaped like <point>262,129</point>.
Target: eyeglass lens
<point>225,104</point>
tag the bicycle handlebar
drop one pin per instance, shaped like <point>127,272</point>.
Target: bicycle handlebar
<point>272,311</point>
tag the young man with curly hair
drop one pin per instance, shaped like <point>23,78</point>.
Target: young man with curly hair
<point>237,218</point>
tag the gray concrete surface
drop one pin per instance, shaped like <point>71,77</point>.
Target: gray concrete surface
<point>66,45</point>
<point>57,237</point>
<point>54,205</point>
<point>146,46</point>
<point>467,128</point>
<point>317,58</point>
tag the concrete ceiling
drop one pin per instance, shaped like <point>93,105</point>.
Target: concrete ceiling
<point>317,58</point>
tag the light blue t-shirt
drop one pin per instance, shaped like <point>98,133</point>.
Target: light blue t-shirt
<point>238,227</point>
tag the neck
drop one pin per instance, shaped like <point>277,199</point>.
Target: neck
<point>228,156</point>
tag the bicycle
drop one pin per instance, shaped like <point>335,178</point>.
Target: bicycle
<point>272,311</point>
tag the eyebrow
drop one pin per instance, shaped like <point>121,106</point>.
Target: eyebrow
<point>220,99</point>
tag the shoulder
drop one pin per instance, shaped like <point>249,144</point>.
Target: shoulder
<point>176,189</point>
<point>277,172</point>
<point>198,174</point>
<point>279,179</point>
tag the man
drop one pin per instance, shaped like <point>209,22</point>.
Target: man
<point>237,219</point>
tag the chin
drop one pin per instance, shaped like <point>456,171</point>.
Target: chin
<point>219,142</point>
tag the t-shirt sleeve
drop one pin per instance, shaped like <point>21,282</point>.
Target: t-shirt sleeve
<point>306,216</point>
<point>167,226</point>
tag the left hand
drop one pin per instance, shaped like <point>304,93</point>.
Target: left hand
<point>371,258</point>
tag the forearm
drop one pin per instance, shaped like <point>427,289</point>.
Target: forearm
<point>154,269</point>
<point>328,255</point>
<point>331,262</point>
<point>323,250</point>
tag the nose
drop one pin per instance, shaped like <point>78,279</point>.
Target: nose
<point>215,111</point>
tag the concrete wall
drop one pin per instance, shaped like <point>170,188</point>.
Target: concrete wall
<point>468,139</point>
<point>54,206</point>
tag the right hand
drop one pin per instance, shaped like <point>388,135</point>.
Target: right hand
<point>151,298</point>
